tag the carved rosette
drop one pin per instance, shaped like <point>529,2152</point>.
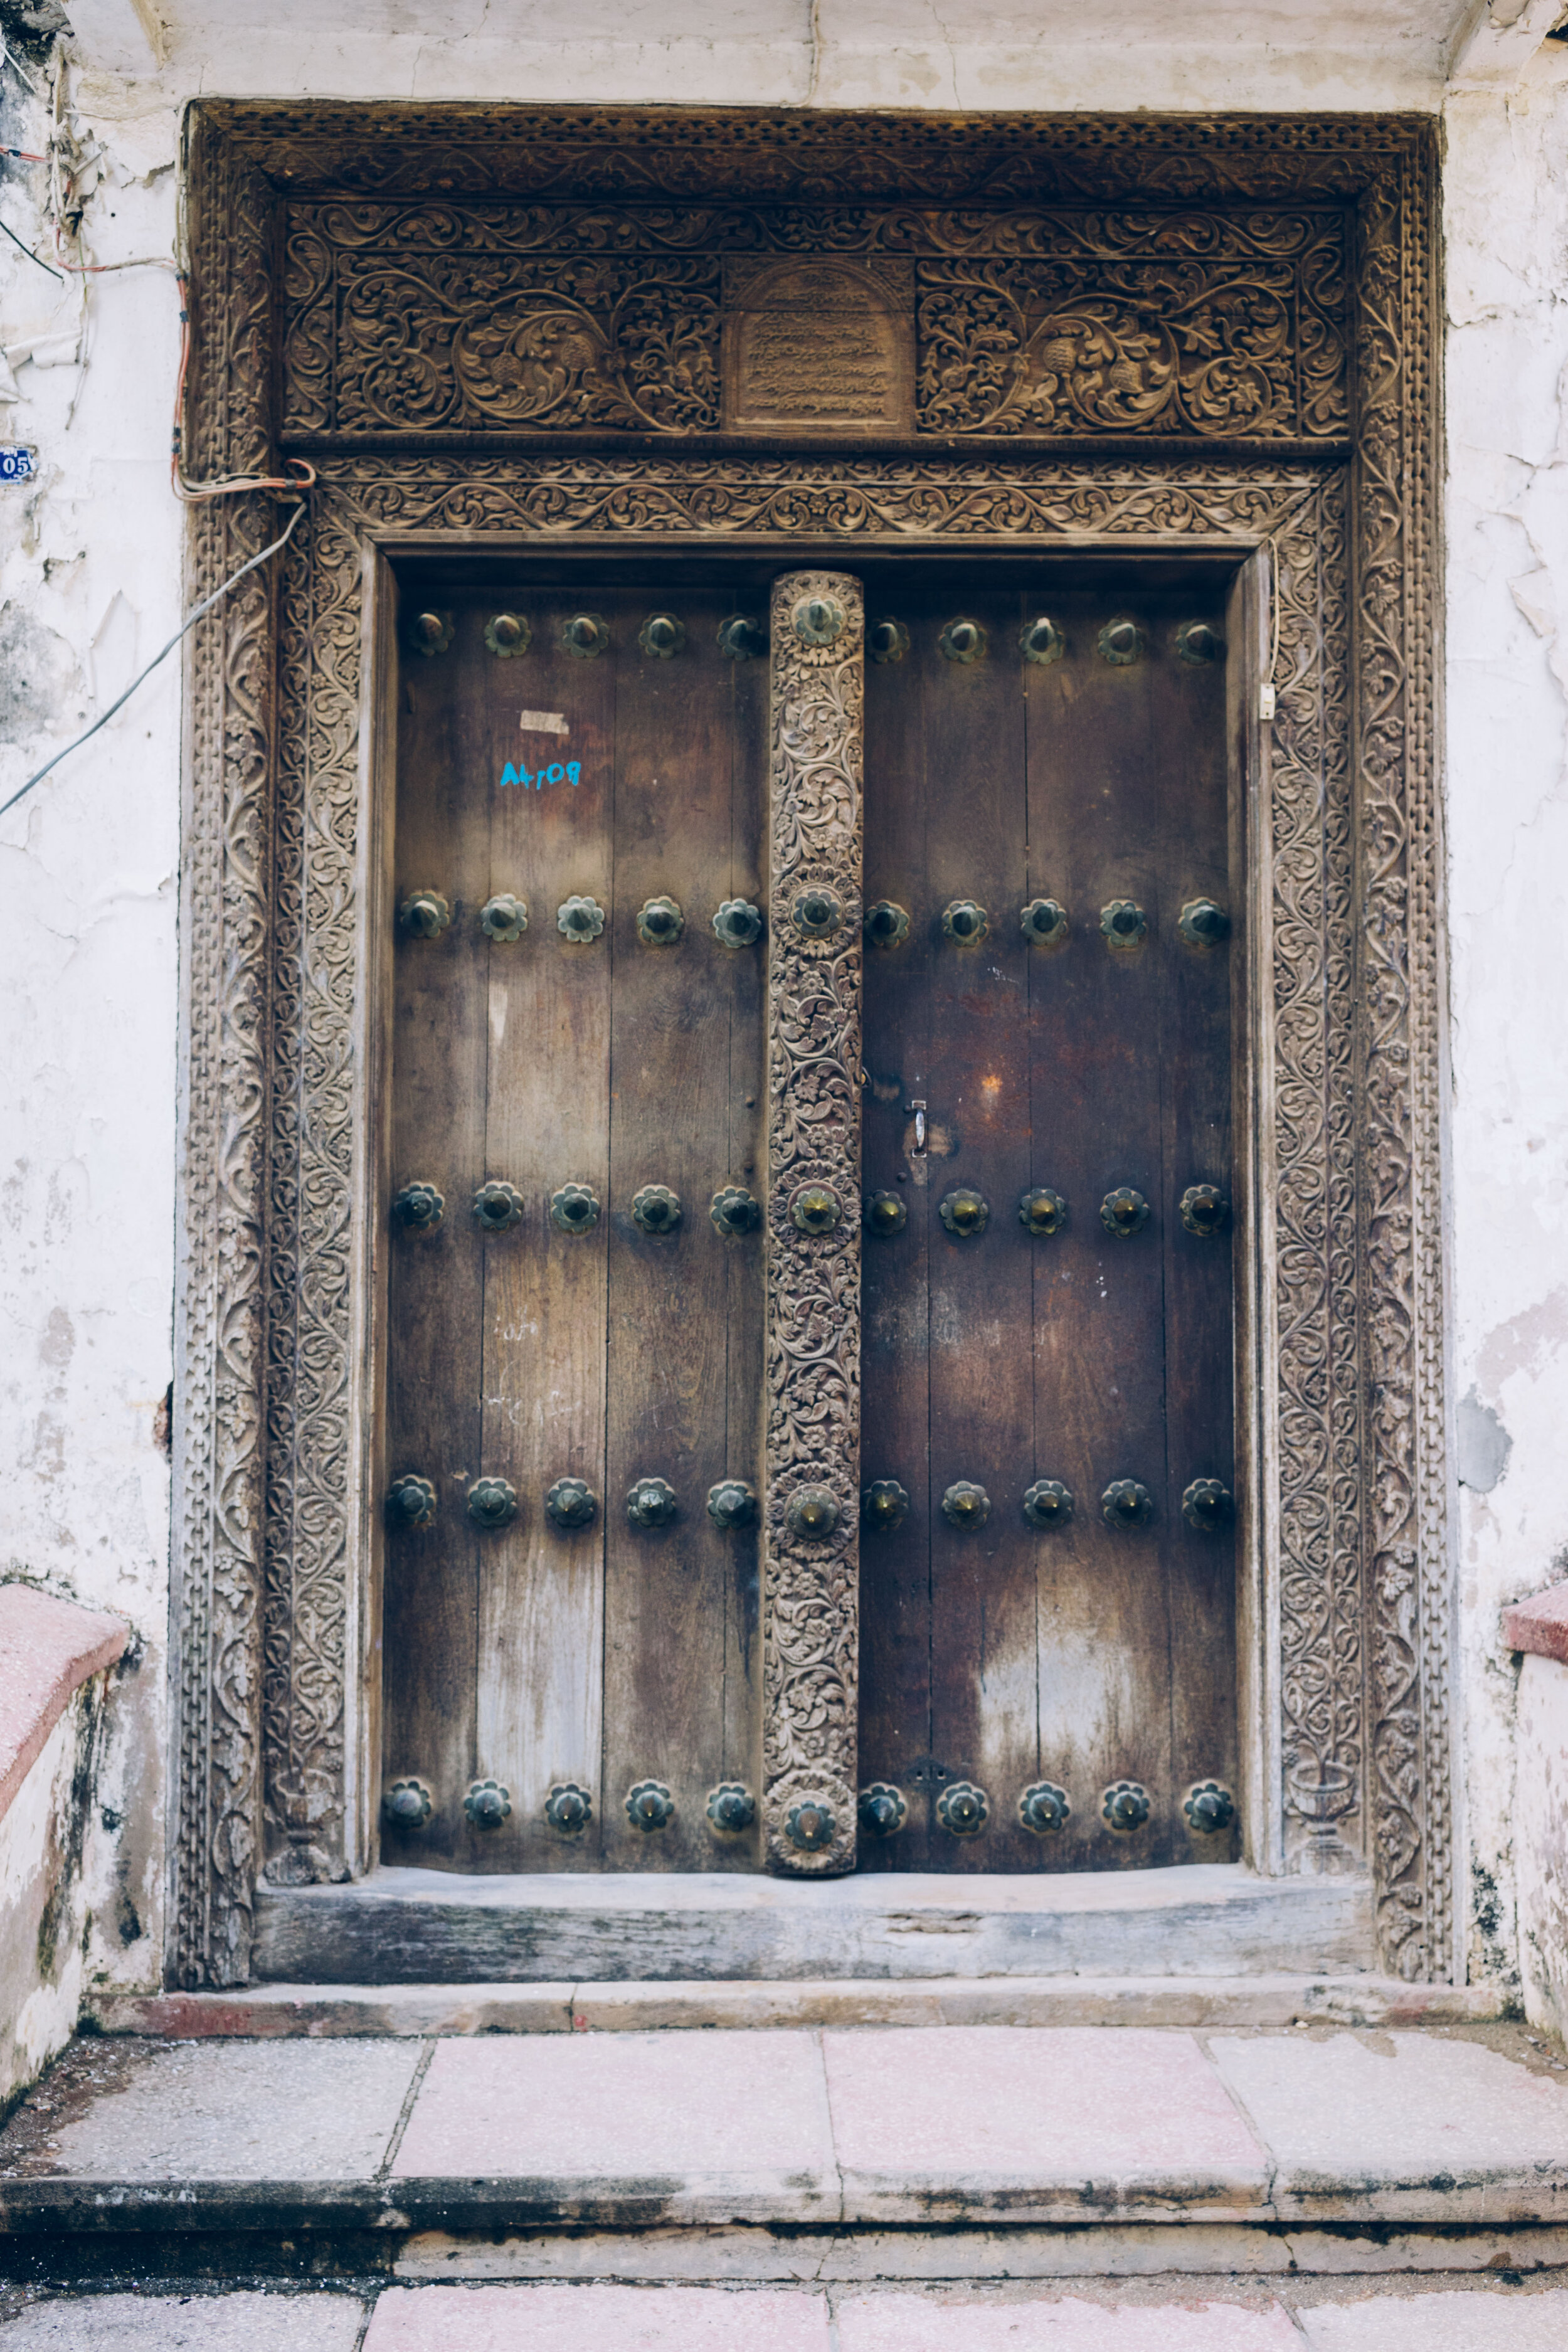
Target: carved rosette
<point>810,1583</point>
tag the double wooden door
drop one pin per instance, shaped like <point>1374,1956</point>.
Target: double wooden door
<point>575,1189</point>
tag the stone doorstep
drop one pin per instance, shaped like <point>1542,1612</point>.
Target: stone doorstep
<point>969,2128</point>
<point>325,2011</point>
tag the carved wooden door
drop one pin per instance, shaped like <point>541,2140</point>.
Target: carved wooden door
<point>1048,1560</point>
<point>573,1371</point>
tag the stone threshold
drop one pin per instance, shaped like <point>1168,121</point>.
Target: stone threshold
<point>404,1927</point>
<point>271,2011</point>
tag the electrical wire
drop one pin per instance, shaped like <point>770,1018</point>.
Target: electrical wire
<point>29,250</point>
<point>186,625</point>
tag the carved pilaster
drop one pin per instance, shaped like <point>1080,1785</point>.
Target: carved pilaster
<point>812,1435</point>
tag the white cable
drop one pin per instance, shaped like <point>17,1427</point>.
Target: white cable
<point>185,628</point>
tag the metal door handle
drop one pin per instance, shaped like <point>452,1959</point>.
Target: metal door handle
<point>919,1109</point>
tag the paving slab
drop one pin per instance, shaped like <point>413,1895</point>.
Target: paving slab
<point>187,2323</point>
<point>1401,2127</point>
<point>1036,2124</point>
<point>967,2322</point>
<point>1496,2321</point>
<point>628,2128</point>
<point>132,2127</point>
<point>597,2319</point>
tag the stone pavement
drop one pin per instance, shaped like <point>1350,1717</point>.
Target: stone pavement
<point>1358,2316</point>
<point>986,2189</point>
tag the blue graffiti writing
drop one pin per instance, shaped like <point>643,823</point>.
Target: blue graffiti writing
<point>559,772</point>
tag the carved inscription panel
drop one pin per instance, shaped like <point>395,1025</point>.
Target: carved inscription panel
<point>1028,322</point>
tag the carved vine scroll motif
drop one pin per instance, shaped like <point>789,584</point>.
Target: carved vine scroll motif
<point>812,1438</point>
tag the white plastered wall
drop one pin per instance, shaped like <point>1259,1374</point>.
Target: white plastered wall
<point>92,570</point>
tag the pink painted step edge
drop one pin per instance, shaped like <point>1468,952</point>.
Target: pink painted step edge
<point>47,1650</point>
<point>1538,1626</point>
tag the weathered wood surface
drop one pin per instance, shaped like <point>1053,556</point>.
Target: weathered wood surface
<point>610,1655</point>
<point>1083,1655</point>
<point>427,1927</point>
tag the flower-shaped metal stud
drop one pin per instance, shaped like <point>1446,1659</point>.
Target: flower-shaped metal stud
<point>811,1514</point>
<point>492,1503</point>
<point>419,1207</point>
<point>738,924</point>
<point>735,1212</point>
<point>887,641</point>
<point>1204,1211</point>
<point>570,1503</point>
<point>1206,1505</point>
<point>497,1206</point>
<point>886,1214</point>
<point>809,1825</point>
<point>1042,1213</point>
<point>649,1806</point>
<point>883,1810</point>
<point>731,1808</point>
<point>1041,641</point>
<point>963,1809</point>
<point>731,1503</point>
<point>961,641</point>
<point>504,917</point>
<point>424,915</point>
<point>574,1209</point>
<point>1209,1808</point>
<point>884,1506</point>
<point>815,1209</point>
<point>487,1804</point>
<point>660,922</point>
<point>1202,924</point>
<point>568,1808</point>
<point>1044,922</point>
<point>410,1501</point>
<point>964,923</point>
<point>818,911</point>
<point>651,1502</point>
<point>1126,1504</point>
<point>966,1506</point>
<point>655,1209</point>
<point>1042,1808</point>
<point>407,1804</point>
<point>1048,1504</point>
<point>1120,642</point>
<point>430,634</point>
<point>818,620</point>
<point>1123,923</point>
<point>741,640</point>
<point>887,924</point>
<point>585,637</point>
<point>661,636</point>
<point>1125,1806</point>
<point>579,921</point>
<point>508,634</point>
<point>1197,643</point>
<point>964,1212</point>
<point>1124,1212</point>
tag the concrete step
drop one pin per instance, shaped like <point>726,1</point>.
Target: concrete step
<point>263,2011</point>
<point>440,1926</point>
<point>1007,2150</point>
<point>1354,2315</point>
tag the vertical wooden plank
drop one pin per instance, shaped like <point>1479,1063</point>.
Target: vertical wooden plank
<point>984,1640</point>
<point>540,1661</point>
<point>440,1051</point>
<point>810,1593</point>
<point>1096,775</point>
<point>1188,703</point>
<point>670,1056</point>
<point>895,1564</point>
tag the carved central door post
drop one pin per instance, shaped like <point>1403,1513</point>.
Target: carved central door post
<point>812,1437</point>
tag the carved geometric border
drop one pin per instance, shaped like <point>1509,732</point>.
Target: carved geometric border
<point>270,1310</point>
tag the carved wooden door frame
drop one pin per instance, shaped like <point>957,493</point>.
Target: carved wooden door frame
<point>1215,335</point>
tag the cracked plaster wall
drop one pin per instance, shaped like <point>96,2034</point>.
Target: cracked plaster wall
<point>89,587</point>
